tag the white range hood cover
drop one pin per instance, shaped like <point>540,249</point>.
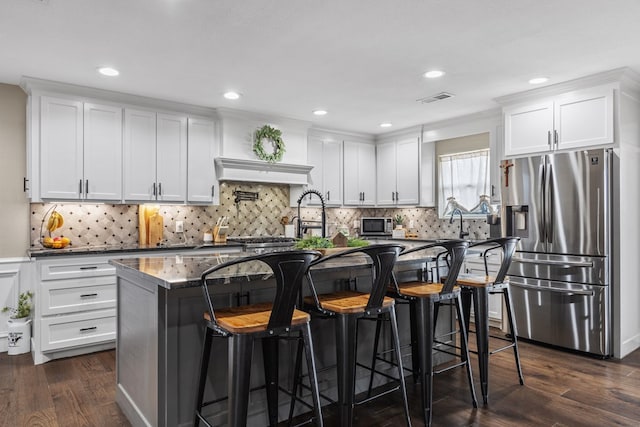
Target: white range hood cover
<point>259,171</point>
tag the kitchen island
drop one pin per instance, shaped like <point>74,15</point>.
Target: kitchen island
<point>160,332</point>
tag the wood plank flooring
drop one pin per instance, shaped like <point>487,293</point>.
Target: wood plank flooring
<point>561,389</point>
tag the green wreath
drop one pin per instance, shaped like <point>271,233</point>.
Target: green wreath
<point>273,135</point>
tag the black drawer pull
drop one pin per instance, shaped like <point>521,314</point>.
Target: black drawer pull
<point>92,328</point>
<point>88,295</point>
<point>89,267</point>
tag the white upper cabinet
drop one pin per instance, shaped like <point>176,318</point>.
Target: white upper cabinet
<point>428,191</point>
<point>102,152</point>
<point>326,176</point>
<point>155,156</point>
<point>578,119</point>
<point>80,150</point>
<point>398,164</point>
<point>359,173</point>
<point>202,183</point>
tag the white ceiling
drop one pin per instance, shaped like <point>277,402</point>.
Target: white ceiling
<point>362,60</point>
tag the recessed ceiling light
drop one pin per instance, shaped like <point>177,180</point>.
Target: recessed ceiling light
<point>385,125</point>
<point>108,71</point>
<point>231,95</point>
<point>538,80</point>
<point>320,112</point>
<point>434,74</point>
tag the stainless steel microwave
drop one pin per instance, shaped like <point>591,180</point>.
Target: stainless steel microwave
<point>376,226</point>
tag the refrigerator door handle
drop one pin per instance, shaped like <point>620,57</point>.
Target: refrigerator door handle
<point>550,203</point>
<point>542,215</point>
<point>556,263</point>
<point>557,290</point>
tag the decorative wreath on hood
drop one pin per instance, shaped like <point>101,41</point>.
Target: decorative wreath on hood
<point>273,135</point>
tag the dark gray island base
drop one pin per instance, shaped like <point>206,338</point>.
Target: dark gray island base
<point>160,332</point>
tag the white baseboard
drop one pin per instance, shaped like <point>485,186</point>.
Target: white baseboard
<point>629,346</point>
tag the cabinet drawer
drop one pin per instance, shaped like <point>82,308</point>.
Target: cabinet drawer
<point>73,330</point>
<point>70,296</point>
<point>75,269</point>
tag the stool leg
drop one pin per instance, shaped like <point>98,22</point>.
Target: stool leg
<point>481,307</point>
<point>465,298</point>
<point>396,347</point>
<point>313,378</point>
<point>424,333</point>
<point>270,360</point>
<point>514,332</point>
<point>376,341</point>
<point>346,358</point>
<point>204,365</point>
<point>464,346</point>
<point>415,358</point>
<point>296,377</point>
<point>240,354</point>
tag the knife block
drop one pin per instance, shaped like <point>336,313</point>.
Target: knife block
<point>220,234</point>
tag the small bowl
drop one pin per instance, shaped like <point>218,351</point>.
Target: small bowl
<point>56,244</point>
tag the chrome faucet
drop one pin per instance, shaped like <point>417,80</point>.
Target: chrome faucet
<point>323,218</point>
<point>463,233</point>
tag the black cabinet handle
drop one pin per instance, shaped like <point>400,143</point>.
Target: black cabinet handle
<point>213,191</point>
<point>154,189</point>
<point>92,328</point>
<point>89,267</point>
<point>80,188</point>
<point>160,189</point>
<point>24,184</point>
<point>86,186</point>
<point>88,295</point>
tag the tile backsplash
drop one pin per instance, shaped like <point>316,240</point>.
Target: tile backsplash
<point>105,224</point>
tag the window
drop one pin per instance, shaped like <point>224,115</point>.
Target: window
<point>464,176</point>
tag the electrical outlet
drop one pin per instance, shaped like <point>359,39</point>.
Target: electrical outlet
<point>410,223</point>
<point>179,226</point>
<point>356,223</point>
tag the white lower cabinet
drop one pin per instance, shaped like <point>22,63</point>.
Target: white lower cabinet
<point>75,306</point>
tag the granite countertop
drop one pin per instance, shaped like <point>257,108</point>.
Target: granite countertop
<point>131,248</point>
<point>174,272</point>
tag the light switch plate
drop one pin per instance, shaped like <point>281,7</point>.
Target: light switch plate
<point>179,226</point>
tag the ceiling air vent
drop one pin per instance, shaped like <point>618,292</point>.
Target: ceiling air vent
<point>437,97</point>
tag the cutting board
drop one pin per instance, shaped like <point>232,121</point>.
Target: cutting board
<point>150,225</point>
<point>156,229</point>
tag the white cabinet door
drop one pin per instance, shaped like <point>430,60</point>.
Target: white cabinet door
<point>202,183</point>
<point>386,165</point>
<point>359,174</point>
<point>171,157</point>
<point>139,155</point>
<point>428,192</point>
<point>584,119</point>
<point>407,176</point>
<point>102,152</point>
<point>332,172</point>
<point>367,173</point>
<point>61,148</point>
<point>528,129</point>
<point>352,191</point>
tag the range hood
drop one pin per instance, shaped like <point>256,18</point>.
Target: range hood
<point>259,171</point>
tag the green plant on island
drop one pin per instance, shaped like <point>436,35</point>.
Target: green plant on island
<point>354,242</point>
<point>314,242</point>
<point>398,219</point>
<point>24,306</point>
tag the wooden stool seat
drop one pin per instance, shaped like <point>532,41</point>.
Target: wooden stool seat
<point>422,289</point>
<point>346,301</point>
<point>247,319</point>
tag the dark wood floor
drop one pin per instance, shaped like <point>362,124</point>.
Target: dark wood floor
<point>561,389</point>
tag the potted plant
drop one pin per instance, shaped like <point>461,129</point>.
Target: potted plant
<point>19,324</point>
<point>398,219</point>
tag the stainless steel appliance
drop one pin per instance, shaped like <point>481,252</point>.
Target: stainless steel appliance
<point>264,244</point>
<point>559,205</point>
<point>376,226</point>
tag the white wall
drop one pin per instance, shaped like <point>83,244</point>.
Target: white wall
<point>626,291</point>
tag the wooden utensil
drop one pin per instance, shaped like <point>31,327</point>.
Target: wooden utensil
<point>156,229</point>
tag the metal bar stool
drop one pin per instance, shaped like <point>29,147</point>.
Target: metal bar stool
<point>266,321</point>
<point>349,306</point>
<point>424,298</point>
<point>479,288</point>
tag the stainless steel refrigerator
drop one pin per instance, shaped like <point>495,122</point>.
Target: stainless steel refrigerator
<point>559,205</point>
